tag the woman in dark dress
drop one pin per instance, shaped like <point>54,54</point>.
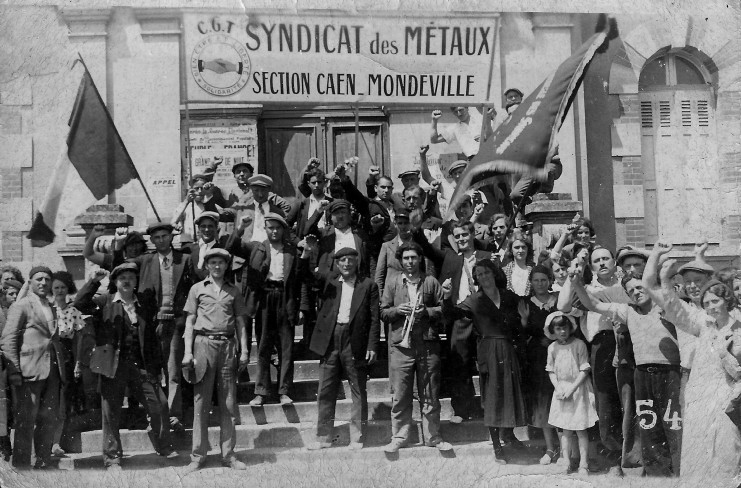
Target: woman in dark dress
<point>493,310</point>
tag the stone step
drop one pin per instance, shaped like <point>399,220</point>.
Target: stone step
<point>309,370</point>
<point>285,435</point>
<point>379,408</point>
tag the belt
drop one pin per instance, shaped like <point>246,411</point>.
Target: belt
<point>273,284</point>
<point>497,337</point>
<point>343,324</point>
<point>657,368</point>
<point>215,337</point>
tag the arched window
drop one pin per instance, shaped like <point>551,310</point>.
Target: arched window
<point>678,149</point>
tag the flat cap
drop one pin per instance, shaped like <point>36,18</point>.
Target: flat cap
<point>458,164</point>
<point>133,267</point>
<point>402,213</point>
<point>217,252</point>
<point>154,226</point>
<point>698,266</point>
<point>516,90</point>
<point>276,218</point>
<point>133,237</point>
<point>260,180</point>
<point>240,164</point>
<point>208,215</point>
<point>345,251</point>
<point>338,204</point>
<point>630,251</point>
<point>414,172</point>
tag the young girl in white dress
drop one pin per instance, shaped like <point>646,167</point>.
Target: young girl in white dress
<point>572,408</point>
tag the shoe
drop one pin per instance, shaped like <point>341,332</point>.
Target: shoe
<point>548,457</point>
<point>394,446</point>
<point>616,471</point>
<point>286,400</point>
<point>113,468</point>
<point>57,451</point>
<point>583,472</point>
<point>317,445</point>
<point>444,446</point>
<point>514,443</point>
<point>258,401</point>
<point>168,454</point>
<point>456,419</point>
<point>355,446</point>
<point>499,456</point>
<point>40,464</point>
<point>235,463</point>
<point>562,461</point>
<point>191,468</point>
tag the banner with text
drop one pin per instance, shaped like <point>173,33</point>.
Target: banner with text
<point>338,59</point>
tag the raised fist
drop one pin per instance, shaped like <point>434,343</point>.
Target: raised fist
<point>436,114</point>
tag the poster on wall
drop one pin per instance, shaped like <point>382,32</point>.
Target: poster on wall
<point>228,141</point>
<point>339,59</point>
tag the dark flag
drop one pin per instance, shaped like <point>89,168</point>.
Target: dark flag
<point>526,141</point>
<point>92,163</point>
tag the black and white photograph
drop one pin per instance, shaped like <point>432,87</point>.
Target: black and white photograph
<point>369,244</point>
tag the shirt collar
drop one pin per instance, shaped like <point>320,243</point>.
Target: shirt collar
<point>316,200</point>
<point>407,281</point>
<point>343,232</point>
<point>117,298</point>
<point>208,245</point>
<point>168,256</point>
<point>350,282</point>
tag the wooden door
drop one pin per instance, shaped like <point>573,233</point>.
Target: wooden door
<point>288,147</point>
<point>341,145</point>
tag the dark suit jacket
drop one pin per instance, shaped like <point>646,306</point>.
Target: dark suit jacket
<point>426,327</point>
<point>326,254</point>
<point>149,286</point>
<point>237,248</point>
<point>110,320</point>
<point>258,267</point>
<point>299,217</point>
<point>364,324</point>
<point>28,341</point>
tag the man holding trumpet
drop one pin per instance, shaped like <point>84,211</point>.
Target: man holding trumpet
<point>411,304</point>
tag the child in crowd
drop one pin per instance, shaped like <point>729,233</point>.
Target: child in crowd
<point>572,407</point>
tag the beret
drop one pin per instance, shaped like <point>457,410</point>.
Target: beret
<point>124,267</point>
<point>208,215</point>
<point>217,252</point>
<point>277,218</point>
<point>133,237</point>
<point>260,180</point>
<point>338,204</point>
<point>14,284</point>
<point>40,269</point>
<point>345,251</point>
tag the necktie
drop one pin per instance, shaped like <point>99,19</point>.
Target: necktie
<point>165,263</point>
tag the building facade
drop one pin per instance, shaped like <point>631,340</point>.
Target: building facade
<point>650,147</point>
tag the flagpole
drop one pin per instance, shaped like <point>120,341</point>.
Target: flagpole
<point>190,164</point>
<point>126,151</point>
<point>486,121</point>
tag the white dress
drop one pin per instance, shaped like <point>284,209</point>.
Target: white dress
<point>576,412</point>
<point>711,442</point>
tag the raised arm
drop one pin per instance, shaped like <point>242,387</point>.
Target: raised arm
<point>423,168</point>
<point>435,136</point>
<point>89,251</point>
<point>84,299</point>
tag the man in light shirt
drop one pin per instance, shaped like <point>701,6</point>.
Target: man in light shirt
<point>273,295</point>
<point>260,204</point>
<point>467,132</point>
<point>341,235</point>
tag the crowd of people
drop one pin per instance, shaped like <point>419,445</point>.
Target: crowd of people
<point>619,347</point>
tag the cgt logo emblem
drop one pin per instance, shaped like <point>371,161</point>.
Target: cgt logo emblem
<point>220,65</point>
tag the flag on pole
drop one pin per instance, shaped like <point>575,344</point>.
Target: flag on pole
<point>526,141</point>
<point>92,163</point>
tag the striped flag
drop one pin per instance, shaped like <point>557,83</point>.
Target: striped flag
<point>526,141</point>
<point>92,163</point>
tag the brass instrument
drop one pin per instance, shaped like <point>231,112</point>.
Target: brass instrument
<point>409,322</point>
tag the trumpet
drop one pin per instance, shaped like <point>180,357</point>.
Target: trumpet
<point>409,323</point>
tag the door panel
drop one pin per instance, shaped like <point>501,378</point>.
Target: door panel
<point>287,149</point>
<point>370,148</point>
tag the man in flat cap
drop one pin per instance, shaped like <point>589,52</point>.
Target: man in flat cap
<point>242,195</point>
<point>208,229</point>
<point>37,373</point>
<point>339,236</point>
<point>346,337</point>
<point>260,186</point>
<point>215,324</point>
<point>273,286</point>
<point>164,277</point>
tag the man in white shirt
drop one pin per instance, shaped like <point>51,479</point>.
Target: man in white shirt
<point>467,132</point>
<point>256,207</point>
<point>341,235</point>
